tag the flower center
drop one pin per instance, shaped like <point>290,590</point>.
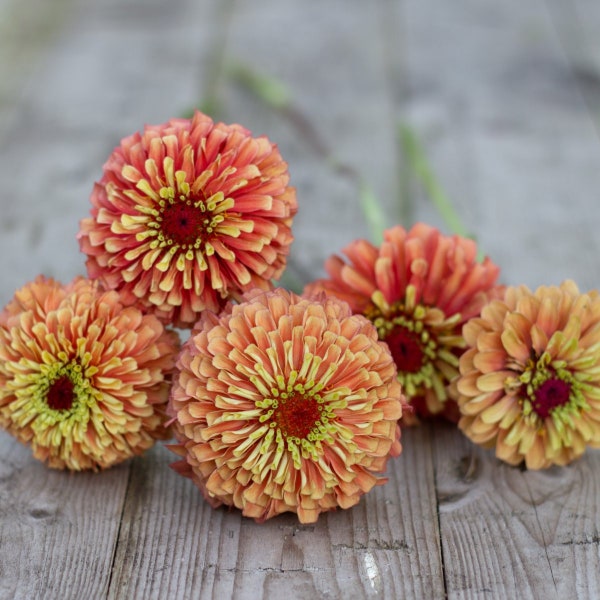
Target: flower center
<point>406,349</point>
<point>61,394</point>
<point>187,223</point>
<point>297,415</point>
<point>414,345</point>
<point>424,344</point>
<point>552,393</point>
<point>183,223</point>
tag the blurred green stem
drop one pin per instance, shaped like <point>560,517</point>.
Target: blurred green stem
<point>275,95</point>
<point>419,166</point>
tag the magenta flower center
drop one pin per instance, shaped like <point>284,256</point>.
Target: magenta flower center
<point>183,223</point>
<point>297,415</point>
<point>406,349</point>
<point>551,394</point>
<point>61,394</point>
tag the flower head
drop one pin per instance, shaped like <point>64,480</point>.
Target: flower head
<point>285,404</point>
<point>418,288</point>
<point>529,382</point>
<point>83,379</point>
<point>188,213</point>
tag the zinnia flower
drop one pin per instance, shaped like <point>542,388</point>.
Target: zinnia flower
<point>285,404</point>
<point>530,379</point>
<point>187,214</point>
<point>83,379</point>
<point>418,289</point>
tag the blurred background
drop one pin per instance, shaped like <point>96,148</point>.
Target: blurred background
<point>385,111</point>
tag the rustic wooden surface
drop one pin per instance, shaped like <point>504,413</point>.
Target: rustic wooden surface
<point>505,98</point>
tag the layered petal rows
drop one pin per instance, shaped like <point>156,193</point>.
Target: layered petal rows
<point>84,380</point>
<point>188,214</point>
<point>529,381</point>
<point>285,404</point>
<point>418,288</point>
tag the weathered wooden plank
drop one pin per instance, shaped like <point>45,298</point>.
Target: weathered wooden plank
<point>389,544</point>
<point>501,112</point>
<point>508,532</point>
<point>508,129</point>
<point>114,68</point>
<point>57,529</point>
<point>172,544</point>
<point>26,31</point>
<point>165,528</point>
<point>334,64</point>
<point>93,84</point>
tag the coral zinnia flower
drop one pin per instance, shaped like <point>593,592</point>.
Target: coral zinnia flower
<point>82,378</point>
<point>418,288</point>
<point>188,213</point>
<point>530,380</point>
<point>285,404</point>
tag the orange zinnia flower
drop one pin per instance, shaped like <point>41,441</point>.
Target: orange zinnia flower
<point>187,214</point>
<point>418,289</point>
<point>83,379</point>
<point>285,404</point>
<point>530,379</point>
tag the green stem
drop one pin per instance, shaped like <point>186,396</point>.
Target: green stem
<point>414,155</point>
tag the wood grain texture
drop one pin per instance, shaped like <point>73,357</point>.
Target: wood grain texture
<point>509,132</point>
<point>172,544</point>
<point>501,106</point>
<point>505,99</point>
<point>58,529</point>
<point>346,137</point>
<point>507,532</point>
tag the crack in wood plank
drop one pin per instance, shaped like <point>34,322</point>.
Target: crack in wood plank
<point>544,543</point>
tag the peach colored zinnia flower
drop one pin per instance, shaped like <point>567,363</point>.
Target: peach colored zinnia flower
<point>285,404</point>
<point>530,379</point>
<point>188,213</point>
<point>83,379</point>
<point>418,288</point>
